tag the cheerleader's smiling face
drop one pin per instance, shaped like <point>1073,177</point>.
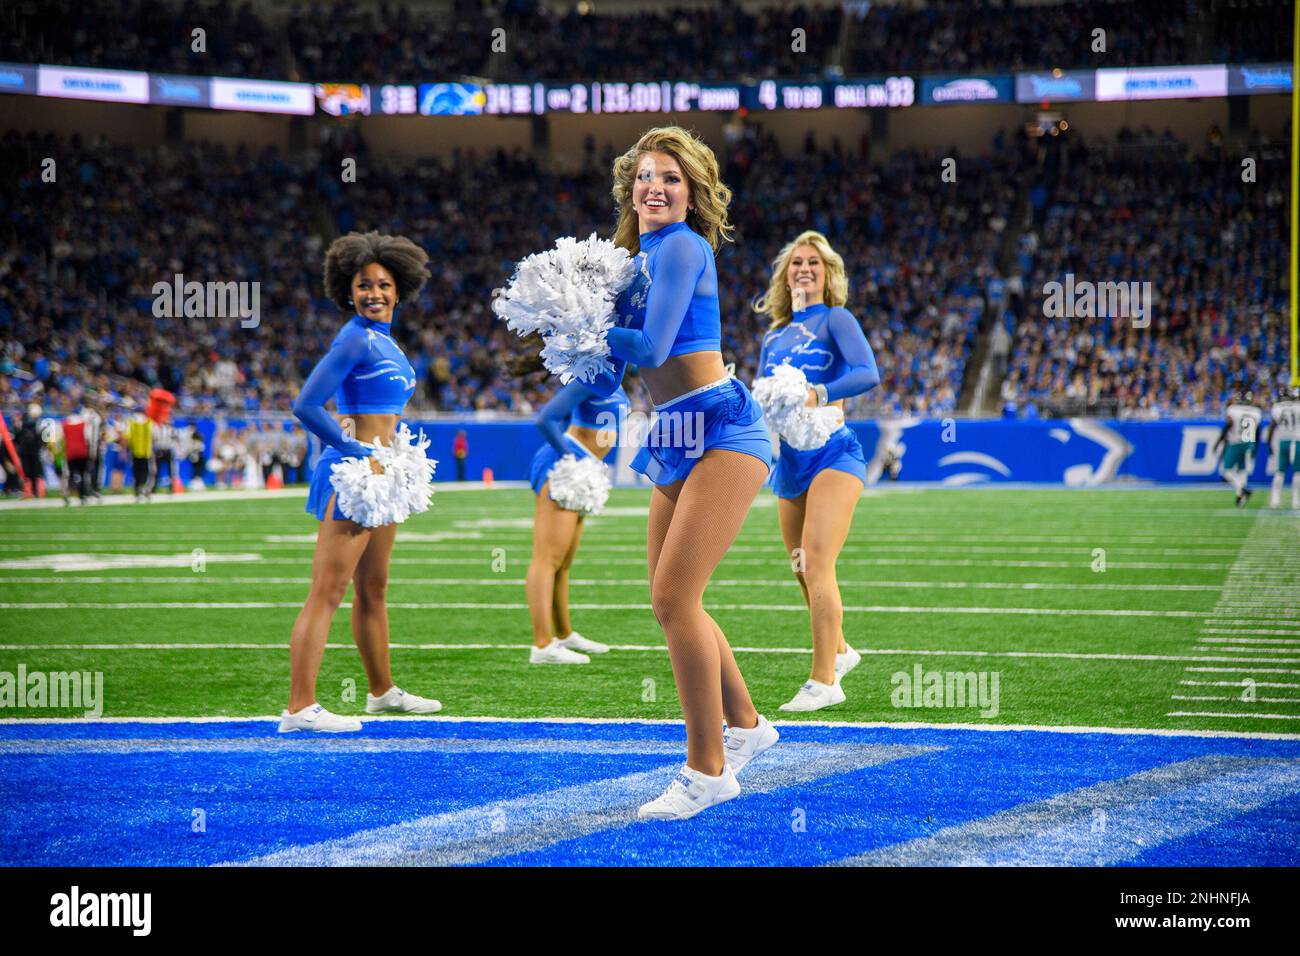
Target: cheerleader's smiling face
<point>374,293</point>
<point>661,194</point>
<point>806,277</point>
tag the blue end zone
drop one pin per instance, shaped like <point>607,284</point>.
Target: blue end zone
<point>440,792</point>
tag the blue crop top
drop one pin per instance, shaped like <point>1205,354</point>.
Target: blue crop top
<point>830,347</point>
<point>579,404</point>
<point>366,372</point>
<point>671,308</point>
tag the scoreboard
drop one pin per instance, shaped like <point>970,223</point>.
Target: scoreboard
<point>664,96</point>
<point>474,96</point>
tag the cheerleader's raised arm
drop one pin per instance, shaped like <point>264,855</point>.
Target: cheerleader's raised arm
<point>680,263</point>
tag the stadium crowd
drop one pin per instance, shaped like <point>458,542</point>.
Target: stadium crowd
<point>79,261</point>
<point>1213,249</point>
<point>403,42</point>
<point>960,36</point>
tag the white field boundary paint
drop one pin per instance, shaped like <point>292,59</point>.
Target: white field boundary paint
<point>666,722</point>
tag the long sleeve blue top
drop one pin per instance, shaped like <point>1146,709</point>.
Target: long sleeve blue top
<point>671,308</point>
<point>829,345</point>
<point>365,372</point>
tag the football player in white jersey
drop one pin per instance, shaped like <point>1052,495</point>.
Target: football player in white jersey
<point>1284,439</point>
<point>1239,437</point>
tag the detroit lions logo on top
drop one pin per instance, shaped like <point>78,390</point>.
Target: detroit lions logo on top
<point>400,371</point>
<point>800,347</point>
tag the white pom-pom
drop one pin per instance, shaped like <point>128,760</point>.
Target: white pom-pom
<point>781,395</point>
<point>373,500</point>
<point>785,390</point>
<point>810,428</point>
<point>567,294</point>
<point>579,484</point>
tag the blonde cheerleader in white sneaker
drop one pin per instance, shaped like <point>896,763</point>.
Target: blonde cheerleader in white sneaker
<point>816,343</point>
<point>650,299</point>
<point>673,216</point>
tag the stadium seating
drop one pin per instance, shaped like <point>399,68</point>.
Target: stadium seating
<point>421,42</point>
<point>916,259</point>
<point>1214,250</point>
<point>76,302</point>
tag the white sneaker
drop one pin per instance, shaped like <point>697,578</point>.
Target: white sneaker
<point>689,793</point>
<point>814,695</point>
<point>847,661</point>
<point>741,745</point>
<point>316,717</point>
<point>397,701</point>
<point>556,653</point>
<point>576,642</point>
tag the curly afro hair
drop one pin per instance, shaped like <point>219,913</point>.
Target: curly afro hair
<point>349,254</point>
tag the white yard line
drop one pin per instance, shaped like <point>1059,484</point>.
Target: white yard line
<point>1250,716</point>
<point>1262,583</point>
<point>435,542</point>
<point>660,649</point>
<point>1237,683</point>
<point>515,606</point>
<point>1248,640</point>
<point>216,495</point>
<point>483,553</point>
<point>1262,700</point>
<point>207,578</point>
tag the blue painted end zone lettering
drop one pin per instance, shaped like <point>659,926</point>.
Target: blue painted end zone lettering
<point>530,793</point>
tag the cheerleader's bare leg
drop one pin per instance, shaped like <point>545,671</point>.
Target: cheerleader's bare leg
<point>790,513</point>
<point>555,533</point>
<point>339,546</point>
<point>828,516</point>
<point>701,524</point>
<point>737,706</point>
<point>370,608</point>
<point>560,600</point>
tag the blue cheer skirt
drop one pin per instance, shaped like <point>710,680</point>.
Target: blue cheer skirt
<point>544,460</point>
<point>320,489</point>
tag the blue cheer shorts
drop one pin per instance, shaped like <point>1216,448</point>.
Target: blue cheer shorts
<point>721,414</point>
<point>795,469</point>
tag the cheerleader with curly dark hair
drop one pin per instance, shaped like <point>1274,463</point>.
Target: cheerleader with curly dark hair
<point>370,379</point>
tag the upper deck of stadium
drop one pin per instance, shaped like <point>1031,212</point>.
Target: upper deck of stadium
<point>525,40</point>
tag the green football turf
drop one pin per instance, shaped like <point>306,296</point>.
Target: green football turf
<point>953,580</point>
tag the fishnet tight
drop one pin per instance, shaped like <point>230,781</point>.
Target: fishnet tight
<point>692,524</point>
